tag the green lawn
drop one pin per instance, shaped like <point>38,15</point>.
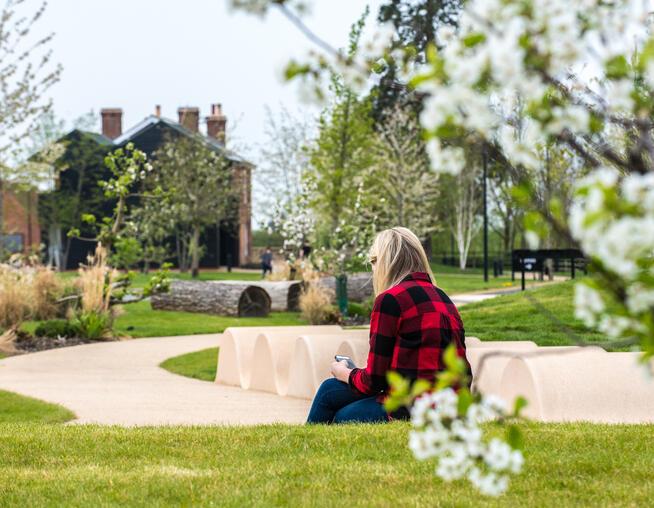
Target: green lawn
<point>139,320</point>
<point>16,408</point>
<point>283,465</point>
<point>141,279</point>
<point>514,317</point>
<point>199,364</point>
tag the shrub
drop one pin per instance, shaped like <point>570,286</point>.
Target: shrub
<point>128,253</point>
<point>46,289</point>
<point>57,328</point>
<point>15,296</point>
<point>93,325</point>
<point>315,305</point>
<point>366,307</point>
<point>355,309</point>
<point>95,283</point>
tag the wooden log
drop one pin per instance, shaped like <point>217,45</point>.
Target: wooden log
<point>284,294</point>
<point>359,286</point>
<point>237,298</point>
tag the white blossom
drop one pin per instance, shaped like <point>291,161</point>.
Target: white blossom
<point>457,441</point>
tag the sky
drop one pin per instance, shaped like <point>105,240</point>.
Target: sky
<point>134,54</point>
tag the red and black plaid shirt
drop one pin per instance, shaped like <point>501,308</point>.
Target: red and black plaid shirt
<point>410,327</point>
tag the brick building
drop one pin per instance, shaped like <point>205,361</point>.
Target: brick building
<point>21,229</point>
<point>224,244</point>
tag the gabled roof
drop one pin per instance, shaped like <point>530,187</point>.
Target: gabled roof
<point>152,121</point>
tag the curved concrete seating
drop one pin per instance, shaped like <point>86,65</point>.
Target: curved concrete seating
<point>561,383</point>
<point>355,349</point>
<point>272,355</point>
<point>237,348</point>
<point>312,359</point>
<point>588,385</point>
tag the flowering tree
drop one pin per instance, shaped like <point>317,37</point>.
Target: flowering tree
<point>26,73</point>
<point>519,76</point>
<point>295,222</point>
<point>399,174</point>
<point>284,158</point>
<point>199,185</point>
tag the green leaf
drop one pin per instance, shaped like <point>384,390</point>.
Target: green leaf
<point>646,54</point>
<point>520,404</point>
<point>514,437</point>
<point>89,218</point>
<point>452,361</point>
<point>617,67</point>
<point>473,39</point>
<point>398,384</point>
<point>596,123</point>
<point>464,402</point>
<point>446,380</point>
<point>419,387</point>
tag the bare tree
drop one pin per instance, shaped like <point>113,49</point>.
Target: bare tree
<point>462,202</point>
<point>26,73</point>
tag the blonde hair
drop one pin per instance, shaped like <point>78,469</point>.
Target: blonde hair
<point>396,253</point>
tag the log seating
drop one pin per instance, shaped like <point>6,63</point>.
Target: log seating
<point>226,298</point>
<point>560,383</point>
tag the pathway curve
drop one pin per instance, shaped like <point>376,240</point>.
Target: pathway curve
<point>121,383</point>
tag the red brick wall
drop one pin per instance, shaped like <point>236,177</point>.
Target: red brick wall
<point>21,216</point>
<point>244,182</point>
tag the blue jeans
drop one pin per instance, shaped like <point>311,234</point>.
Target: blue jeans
<point>336,402</point>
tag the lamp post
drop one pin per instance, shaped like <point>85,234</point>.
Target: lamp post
<point>485,168</point>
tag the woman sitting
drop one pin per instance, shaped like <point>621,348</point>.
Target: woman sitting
<point>411,325</point>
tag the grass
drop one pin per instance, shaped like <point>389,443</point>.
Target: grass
<point>139,320</point>
<point>140,279</point>
<point>514,317</point>
<point>16,408</point>
<point>283,465</point>
<point>199,364</point>
<point>507,317</point>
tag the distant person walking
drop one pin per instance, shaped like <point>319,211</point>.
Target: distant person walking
<point>266,262</point>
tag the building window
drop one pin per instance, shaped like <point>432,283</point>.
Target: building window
<point>13,243</point>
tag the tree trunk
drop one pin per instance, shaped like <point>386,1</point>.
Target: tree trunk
<point>2,219</point>
<point>359,286</point>
<point>182,251</point>
<point>195,252</point>
<point>225,298</point>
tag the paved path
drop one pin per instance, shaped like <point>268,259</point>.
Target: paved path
<point>121,383</point>
<point>464,298</point>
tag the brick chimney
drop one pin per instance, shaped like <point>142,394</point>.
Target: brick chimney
<point>157,111</point>
<point>112,122</point>
<point>189,118</point>
<point>216,123</point>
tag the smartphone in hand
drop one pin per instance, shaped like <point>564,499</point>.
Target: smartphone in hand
<point>347,360</point>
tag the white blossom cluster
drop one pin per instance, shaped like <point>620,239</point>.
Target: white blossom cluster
<point>524,74</point>
<point>123,182</point>
<point>613,219</point>
<point>457,442</point>
<point>295,223</point>
<point>509,57</point>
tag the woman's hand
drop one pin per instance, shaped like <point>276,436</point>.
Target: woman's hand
<point>341,371</point>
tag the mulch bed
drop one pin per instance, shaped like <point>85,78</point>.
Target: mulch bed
<point>28,344</point>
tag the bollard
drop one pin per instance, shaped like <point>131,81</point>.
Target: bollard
<point>341,293</point>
